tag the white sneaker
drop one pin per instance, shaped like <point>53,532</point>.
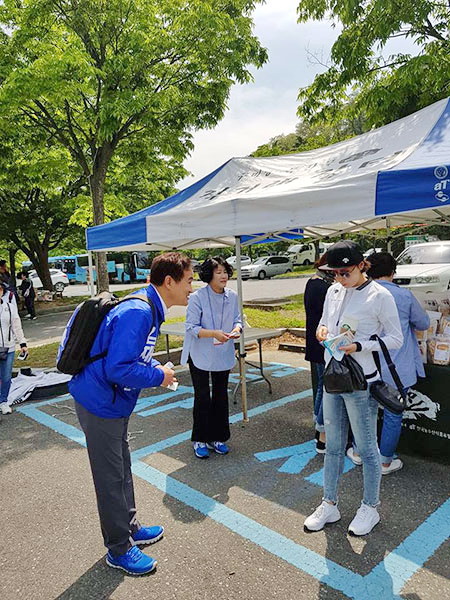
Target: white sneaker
<point>365,520</point>
<point>325,513</point>
<point>395,465</point>
<point>5,408</point>
<point>355,458</point>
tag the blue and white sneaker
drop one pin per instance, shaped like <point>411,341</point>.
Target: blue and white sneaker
<point>201,450</point>
<point>148,535</point>
<point>133,562</point>
<point>219,447</point>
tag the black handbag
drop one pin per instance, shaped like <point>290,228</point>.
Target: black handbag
<point>386,395</point>
<point>344,376</point>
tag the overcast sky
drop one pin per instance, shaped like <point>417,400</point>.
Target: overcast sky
<point>266,107</point>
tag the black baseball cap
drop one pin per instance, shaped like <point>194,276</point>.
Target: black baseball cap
<point>343,254</point>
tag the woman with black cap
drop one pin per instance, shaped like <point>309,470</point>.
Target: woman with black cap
<point>357,303</point>
<point>10,333</point>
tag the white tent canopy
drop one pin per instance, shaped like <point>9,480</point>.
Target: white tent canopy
<point>395,175</point>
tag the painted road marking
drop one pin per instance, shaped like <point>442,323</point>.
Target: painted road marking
<point>386,579</point>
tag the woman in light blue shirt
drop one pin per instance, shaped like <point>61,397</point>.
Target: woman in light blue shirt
<point>407,360</point>
<point>213,321</point>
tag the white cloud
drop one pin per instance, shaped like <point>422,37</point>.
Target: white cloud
<point>267,107</point>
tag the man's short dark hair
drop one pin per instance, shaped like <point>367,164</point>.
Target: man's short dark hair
<point>169,263</point>
<point>20,273</point>
<point>382,264</point>
<point>2,263</point>
<point>207,269</point>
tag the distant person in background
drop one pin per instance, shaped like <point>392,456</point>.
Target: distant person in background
<point>28,294</point>
<point>5,275</point>
<point>407,359</point>
<point>213,321</point>
<point>10,292</point>
<point>10,333</point>
<point>315,292</point>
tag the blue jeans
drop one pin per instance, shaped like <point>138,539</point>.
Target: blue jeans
<point>390,434</point>
<point>5,375</point>
<point>318,399</point>
<point>360,410</point>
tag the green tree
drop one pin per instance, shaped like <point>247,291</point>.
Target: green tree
<point>309,136</point>
<point>94,73</point>
<point>37,195</point>
<point>387,87</point>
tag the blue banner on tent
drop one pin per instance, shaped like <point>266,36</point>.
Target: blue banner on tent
<point>399,191</point>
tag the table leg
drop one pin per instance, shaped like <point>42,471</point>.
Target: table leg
<point>167,347</point>
<point>261,366</point>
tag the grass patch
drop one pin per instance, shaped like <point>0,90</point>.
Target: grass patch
<point>303,270</point>
<point>291,315</point>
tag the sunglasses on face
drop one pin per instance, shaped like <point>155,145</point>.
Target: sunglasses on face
<point>345,274</point>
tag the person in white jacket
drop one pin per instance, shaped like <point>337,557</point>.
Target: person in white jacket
<point>366,308</point>
<point>10,333</point>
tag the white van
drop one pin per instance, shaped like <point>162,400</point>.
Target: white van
<point>305,253</point>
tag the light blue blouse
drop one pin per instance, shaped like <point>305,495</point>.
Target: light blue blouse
<point>209,310</point>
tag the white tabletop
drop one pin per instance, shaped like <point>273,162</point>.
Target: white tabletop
<point>250,334</point>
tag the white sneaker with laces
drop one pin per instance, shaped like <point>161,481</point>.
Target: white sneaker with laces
<point>355,458</point>
<point>395,465</point>
<point>325,513</point>
<point>365,520</point>
<point>5,408</point>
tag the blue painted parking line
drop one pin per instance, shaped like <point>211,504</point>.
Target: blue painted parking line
<point>306,560</point>
<point>69,431</point>
<point>386,580</point>
<point>182,437</point>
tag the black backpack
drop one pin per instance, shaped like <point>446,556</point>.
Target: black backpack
<point>82,328</point>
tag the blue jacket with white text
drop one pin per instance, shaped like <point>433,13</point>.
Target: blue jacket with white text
<point>110,387</point>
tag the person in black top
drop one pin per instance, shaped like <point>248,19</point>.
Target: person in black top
<point>315,292</point>
<point>28,294</point>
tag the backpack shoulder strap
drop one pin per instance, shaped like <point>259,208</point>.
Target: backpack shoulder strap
<point>143,298</point>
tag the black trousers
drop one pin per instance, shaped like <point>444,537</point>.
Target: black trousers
<point>109,456</point>
<point>210,406</point>
<point>29,303</point>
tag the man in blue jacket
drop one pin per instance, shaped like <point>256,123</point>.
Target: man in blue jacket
<point>106,392</point>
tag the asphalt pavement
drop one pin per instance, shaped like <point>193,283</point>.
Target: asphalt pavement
<point>233,524</point>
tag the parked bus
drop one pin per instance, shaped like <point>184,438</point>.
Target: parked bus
<point>122,266</point>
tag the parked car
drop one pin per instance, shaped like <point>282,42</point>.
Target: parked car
<point>267,266</point>
<point>195,264</point>
<point>367,253</point>
<point>245,260</point>
<point>59,279</point>
<point>424,267</point>
<point>305,254</point>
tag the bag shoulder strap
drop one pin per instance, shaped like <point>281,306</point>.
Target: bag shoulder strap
<point>143,298</point>
<point>389,363</point>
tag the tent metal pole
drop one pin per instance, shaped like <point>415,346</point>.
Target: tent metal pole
<point>91,274</point>
<point>388,235</point>
<point>242,338</point>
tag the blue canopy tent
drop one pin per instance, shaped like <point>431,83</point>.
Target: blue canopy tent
<point>398,174</point>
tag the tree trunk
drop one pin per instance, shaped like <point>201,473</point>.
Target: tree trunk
<point>41,266</point>
<point>12,265</point>
<point>97,187</point>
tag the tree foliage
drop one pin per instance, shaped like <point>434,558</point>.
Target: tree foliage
<point>388,86</point>
<point>37,194</point>
<point>95,73</point>
<point>309,136</point>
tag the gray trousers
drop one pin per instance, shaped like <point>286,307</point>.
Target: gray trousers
<point>109,455</point>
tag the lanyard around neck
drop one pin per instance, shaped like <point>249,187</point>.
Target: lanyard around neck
<point>210,308</point>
